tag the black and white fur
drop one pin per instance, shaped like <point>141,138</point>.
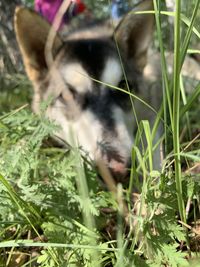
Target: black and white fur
<point>85,64</point>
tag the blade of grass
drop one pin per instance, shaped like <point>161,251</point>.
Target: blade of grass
<point>22,207</point>
<point>30,243</point>
<point>149,140</point>
<point>189,33</point>
<point>172,14</point>
<point>166,107</point>
<point>184,19</point>
<point>20,203</point>
<point>83,190</point>
<point>120,239</point>
<point>184,98</point>
<point>176,108</point>
<point>13,112</point>
<point>163,60</point>
<point>134,164</point>
<point>192,98</point>
<point>142,199</point>
<point>193,51</point>
<point>126,92</point>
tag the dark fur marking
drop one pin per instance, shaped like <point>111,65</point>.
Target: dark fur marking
<point>108,151</point>
<point>92,54</point>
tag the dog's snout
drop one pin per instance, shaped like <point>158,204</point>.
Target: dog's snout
<point>117,162</point>
<point>119,170</point>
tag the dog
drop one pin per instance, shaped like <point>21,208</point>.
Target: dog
<point>81,81</point>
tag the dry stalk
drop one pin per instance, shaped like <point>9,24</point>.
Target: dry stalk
<point>53,31</point>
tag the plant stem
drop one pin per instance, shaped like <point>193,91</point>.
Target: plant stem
<point>176,107</point>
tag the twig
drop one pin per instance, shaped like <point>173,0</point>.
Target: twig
<point>53,31</point>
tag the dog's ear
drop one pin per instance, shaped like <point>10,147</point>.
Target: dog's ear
<point>32,32</point>
<point>134,33</point>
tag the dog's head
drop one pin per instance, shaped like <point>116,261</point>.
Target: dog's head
<point>78,81</point>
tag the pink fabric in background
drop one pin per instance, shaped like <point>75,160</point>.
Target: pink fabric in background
<point>48,8</point>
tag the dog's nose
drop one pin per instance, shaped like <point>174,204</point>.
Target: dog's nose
<point>119,170</point>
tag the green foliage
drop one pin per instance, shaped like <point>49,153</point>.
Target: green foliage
<point>29,3</point>
<point>169,256</point>
<point>39,193</point>
<point>15,92</point>
<point>45,179</point>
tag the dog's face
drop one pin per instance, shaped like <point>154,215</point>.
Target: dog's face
<point>77,81</point>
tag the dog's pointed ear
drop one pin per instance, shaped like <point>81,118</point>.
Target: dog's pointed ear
<point>134,33</point>
<point>32,32</point>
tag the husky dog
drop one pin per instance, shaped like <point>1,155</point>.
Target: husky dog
<point>86,67</point>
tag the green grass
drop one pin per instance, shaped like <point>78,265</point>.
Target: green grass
<point>54,209</point>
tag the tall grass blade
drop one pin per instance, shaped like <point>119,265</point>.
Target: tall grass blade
<point>166,92</point>
<point>176,108</point>
<point>189,33</point>
<point>190,101</point>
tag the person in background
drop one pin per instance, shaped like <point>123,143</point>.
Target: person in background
<point>49,8</point>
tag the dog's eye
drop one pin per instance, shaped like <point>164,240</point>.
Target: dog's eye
<point>61,98</point>
<point>66,95</point>
<point>72,91</point>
